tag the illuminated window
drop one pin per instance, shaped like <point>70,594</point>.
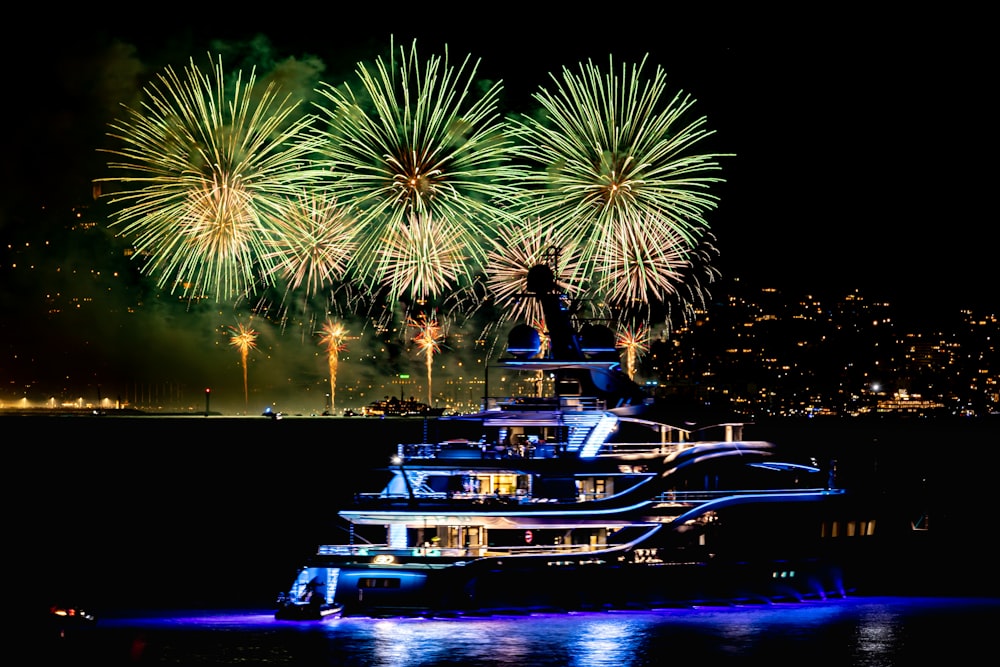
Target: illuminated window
<point>505,484</point>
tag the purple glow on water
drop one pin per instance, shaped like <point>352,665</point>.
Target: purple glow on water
<point>869,631</point>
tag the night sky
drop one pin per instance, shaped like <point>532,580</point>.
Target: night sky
<point>859,139</point>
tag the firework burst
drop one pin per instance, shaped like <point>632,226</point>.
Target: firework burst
<point>642,263</point>
<point>523,246</point>
<point>333,337</point>
<point>418,145</point>
<point>615,174</point>
<point>205,166</point>
<point>315,241</point>
<point>422,258</point>
<point>244,339</point>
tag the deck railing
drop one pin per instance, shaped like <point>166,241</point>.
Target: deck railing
<point>469,449</point>
<point>374,550</point>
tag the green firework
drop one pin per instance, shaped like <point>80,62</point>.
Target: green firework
<point>205,165</point>
<point>615,171</point>
<point>418,143</point>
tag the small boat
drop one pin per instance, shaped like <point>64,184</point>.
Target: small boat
<point>70,615</point>
<point>581,493</point>
<point>63,620</point>
<point>313,604</point>
<point>298,611</point>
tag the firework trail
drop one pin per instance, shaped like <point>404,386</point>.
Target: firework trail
<point>616,174</point>
<point>428,340</point>
<point>244,339</point>
<point>419,145</point>
<point>332,337</point>
<point>636,343</point>
<point>206,166</point>
<point>693,293</point>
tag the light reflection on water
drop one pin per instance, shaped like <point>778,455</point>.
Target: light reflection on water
<point>872,632</point>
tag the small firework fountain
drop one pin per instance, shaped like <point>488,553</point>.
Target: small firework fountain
<point>428,340</point>
<point>636,343</point>
<point>244,339</point>
<point>332,338</point>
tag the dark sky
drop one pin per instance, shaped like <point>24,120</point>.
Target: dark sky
<point>860,140</point>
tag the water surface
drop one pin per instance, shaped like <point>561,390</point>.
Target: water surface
<point>875,632</point>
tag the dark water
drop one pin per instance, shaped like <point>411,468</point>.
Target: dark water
<point>150,513</point>
<point>875,632</point>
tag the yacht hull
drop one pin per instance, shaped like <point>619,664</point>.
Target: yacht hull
<point>566,586</point>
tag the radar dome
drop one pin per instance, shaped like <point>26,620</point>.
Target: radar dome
<point>597,339</point>
<point>523,341</point>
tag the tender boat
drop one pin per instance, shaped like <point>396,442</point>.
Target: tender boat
<point>307,608</point>
<point>579,495</point>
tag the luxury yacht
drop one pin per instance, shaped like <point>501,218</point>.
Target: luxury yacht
<point>579,495</point>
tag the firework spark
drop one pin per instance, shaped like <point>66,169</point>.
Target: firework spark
<point>332,337</point>
<point>428,150</point>
<point>205,166</point>
<point>614,156</point>
<point>244,339</point>
<point>428,340</point>
<point>635,341</point>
